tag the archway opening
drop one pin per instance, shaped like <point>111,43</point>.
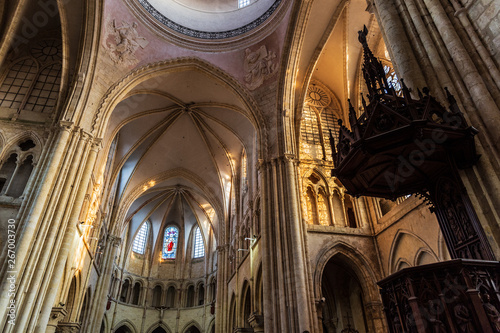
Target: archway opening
<point>123,329</point>
<point>343,299</point>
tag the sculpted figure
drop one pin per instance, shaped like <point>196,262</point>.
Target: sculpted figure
<point>258,66</point>
<point>126,42</point>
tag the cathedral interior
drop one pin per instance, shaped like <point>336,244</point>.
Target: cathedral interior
<point>233,166</point>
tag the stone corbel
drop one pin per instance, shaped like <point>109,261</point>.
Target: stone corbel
<point>66,125</point>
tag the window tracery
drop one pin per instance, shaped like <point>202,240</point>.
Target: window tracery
<point>32,83</point>
<point>319,117</point>
<point>139,245</point>
<point>199,246</point>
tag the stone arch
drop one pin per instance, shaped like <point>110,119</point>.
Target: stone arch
<point>423,257</point>
<point>157,325</point>
<point>191,324</point>
<point>157,295</point>
<point>189,300</point>
<point>394,254</point>
<point>200,293</point>
<point>72,301</point>
<point>344,255</point>
<point>11,145</point>
<point>125,289</point>
<point>245,304</point>
<point>288,98</point>
<point>136,292</point>
<point>125,324</point>
<point>121,89</point>
<point>171,296</point>
<point>401,264</point>
<point>354,260</point>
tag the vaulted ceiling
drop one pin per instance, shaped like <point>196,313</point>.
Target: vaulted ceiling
<point>182,132</point>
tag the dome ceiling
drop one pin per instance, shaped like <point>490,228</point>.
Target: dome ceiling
<point>210,20</point>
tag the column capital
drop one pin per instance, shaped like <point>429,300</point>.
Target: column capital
<point>56,315</point>
<point>115,240</point>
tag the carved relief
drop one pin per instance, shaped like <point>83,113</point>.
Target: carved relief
<point>259,65</point>
<point>123,41</point>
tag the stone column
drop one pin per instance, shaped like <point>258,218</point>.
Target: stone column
<point>480,94</point>
<point>287,307</point>
<point>101,294</point>
<point>39,229</point>
<point>399,47</point>
<point>69,237</point>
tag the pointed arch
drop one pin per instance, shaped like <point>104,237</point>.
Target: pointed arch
<point>157,325</point>
<point>126,325</point>
<point>355,260</point>
<point>191,324</point>
<point>397,240</point>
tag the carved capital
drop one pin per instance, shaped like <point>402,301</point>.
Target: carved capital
<point>57,314</point>
<point>114,240</point>
<point>96,144</point>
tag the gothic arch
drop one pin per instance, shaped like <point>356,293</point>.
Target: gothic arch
<point>121,90</point>
<point>393,261</point>
<point>401,264</point>
<point>125,323</point>
<point>191,324</point>
<point>157,325</point>
<point>424,252</point>
<point>353,259</point>
<point>289,73</point>
<point>9,145</point>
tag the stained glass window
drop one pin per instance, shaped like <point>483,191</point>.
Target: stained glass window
<point>170,238</point>
<point>139,245</point>
<point>199,247</point>
<point>392,79</point>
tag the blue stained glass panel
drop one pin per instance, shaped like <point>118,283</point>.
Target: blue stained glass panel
<point>170,238</point>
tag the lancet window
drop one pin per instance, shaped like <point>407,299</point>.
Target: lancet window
<point>170,239</point>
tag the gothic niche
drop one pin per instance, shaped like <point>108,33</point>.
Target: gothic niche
<point>327,206</point>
